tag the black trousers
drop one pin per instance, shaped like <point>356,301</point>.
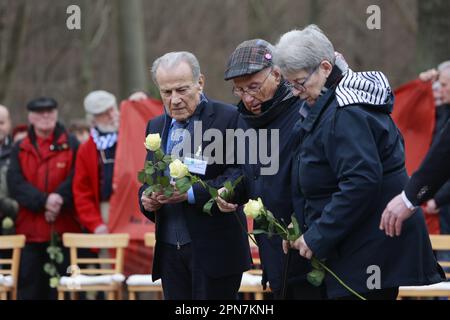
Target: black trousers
<point>381,294</point>
<point>34,283</point>
<point>183,279</point>
<point>297,285</point>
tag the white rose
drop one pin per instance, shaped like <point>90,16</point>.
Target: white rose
<point>7,223</point>
<point>253,208</point>
<point>178,169</point>
<point>153,142</point>
<point>54,282</point>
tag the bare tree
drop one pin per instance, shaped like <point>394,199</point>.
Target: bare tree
<point>433,37</point>
<point>107,53</point>
<point>14,46</point>
<point>314,11</point>
<point>133,75</point>
<point>91,38</point>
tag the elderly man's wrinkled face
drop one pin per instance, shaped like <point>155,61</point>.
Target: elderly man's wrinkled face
<point>107,121</point>
<point>307,84</point>
<point>179,91</point>
<point>444,80</point>
<point>257,88</point>
<point>5,123</point>
<point>44,122</point>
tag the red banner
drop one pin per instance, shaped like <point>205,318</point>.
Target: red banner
<point>124,215</point>
<point>414,114</point>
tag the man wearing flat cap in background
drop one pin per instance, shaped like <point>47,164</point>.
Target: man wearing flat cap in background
<point>40,179</point>
<point>92,184</point>
<point>267,103</point>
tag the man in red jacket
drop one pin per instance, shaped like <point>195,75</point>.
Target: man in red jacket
<point>92,185</point>
<point>39,179</point>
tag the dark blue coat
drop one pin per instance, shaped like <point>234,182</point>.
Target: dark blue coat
<point>219,244</point>
<point>274,189</point>
<point>350,164</point>
<point>434,170</point>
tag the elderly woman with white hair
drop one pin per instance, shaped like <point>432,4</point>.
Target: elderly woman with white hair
<point>350,163</point>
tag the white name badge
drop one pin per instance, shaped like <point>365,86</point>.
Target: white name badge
<point>196,166</point>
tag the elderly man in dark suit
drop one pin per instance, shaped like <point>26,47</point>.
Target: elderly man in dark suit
<point>423,185</point>
<point>197,256</point>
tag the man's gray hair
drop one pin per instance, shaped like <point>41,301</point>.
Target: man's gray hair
<point>444,67</point>
<point>173,59</point>
<point>303,50</point>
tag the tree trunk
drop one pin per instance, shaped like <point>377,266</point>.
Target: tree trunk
<point>433,37</point>
<point>314,12</point>
<point>86,60</point>
<point>131,43</point>
<point>13,50</point>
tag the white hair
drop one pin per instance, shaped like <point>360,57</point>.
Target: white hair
<point>99,101</point>
<point>444,67</point>
<point>303,50</point>
<point>173,59</point>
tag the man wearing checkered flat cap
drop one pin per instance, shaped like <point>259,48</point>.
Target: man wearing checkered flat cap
<point>267,103</point>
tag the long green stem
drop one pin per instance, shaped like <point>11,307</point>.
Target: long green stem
<point>282,228</point>
<point>52,235</point>
<point>252,238</point>
<point>195,180</point>
<point>325,267</point>
<point>204,185</point>
<point>339,279</point>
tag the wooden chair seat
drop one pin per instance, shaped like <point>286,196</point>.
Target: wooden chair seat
<point>9,268</point>
<point>441,289</point>
<point>435,290</point>
<point>85,277</point>
<point>138,283</point>
<point>142,280</point>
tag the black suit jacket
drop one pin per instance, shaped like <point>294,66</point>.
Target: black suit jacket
<point>219,242</point>
<point>433,172</point>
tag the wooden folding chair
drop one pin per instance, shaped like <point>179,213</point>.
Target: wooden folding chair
<point>251,279</point>
<point>85,274</point>
<point>10,275</point>
<point>441,289</point>
<point>144,283</point>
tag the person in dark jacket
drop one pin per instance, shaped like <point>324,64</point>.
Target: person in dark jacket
<point>8,206</point>
<point>197,256</point>
<point>350,163</point>
<point>269,109</point>
<point>423,185</point>
<point>40,179</point>
<point>440,204</point>
<point>437,199</point>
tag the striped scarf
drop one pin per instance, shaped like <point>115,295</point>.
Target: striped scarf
<point>363,88</point>
<point>103,142</point>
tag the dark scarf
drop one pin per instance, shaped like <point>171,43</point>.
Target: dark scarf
<point>5,148</point>
<point>333,79</point>
<point>270,109</point>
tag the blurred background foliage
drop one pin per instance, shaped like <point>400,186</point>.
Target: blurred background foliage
<point>120,39</point>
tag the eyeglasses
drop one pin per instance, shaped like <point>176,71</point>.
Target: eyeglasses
<point>300,87</point>
<point>253,90</point>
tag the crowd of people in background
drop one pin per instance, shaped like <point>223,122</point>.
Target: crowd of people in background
<point>342,173</point>
<point>46,185</point>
